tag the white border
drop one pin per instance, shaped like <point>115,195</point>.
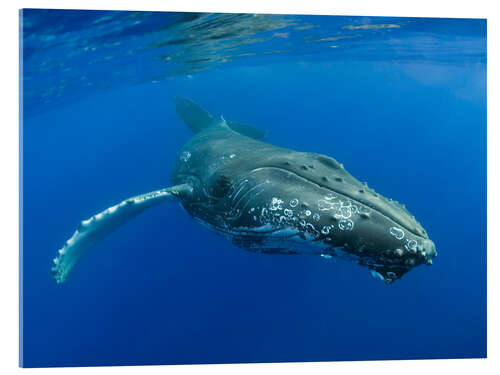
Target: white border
<point>9,173</point>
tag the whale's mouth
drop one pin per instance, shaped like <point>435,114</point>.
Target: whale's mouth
<point>351,189</point>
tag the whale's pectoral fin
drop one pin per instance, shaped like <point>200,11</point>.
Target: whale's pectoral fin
<point>198,118</point>
<point>91,231</point>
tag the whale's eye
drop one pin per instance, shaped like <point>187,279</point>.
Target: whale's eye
<point>221,186</point>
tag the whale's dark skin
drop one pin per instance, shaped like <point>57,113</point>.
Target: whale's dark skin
<point>319,208</point>
<point>269,199</point>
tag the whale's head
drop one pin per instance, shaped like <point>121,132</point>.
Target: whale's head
<point>304,203</point>
<point>356,222</point>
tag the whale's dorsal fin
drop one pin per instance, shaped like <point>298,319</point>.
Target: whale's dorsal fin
<point>99,226</point>
<point>245,129</point>
<point>197,118</point>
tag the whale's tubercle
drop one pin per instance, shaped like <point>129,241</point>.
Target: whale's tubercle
<point>93,230</point>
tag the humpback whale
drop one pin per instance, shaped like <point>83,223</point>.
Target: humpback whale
<point>269,199</point>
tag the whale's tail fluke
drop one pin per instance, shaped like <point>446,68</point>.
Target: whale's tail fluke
<point>93,230</point>
<point>197,119</point>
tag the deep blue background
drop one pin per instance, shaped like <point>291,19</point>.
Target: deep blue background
<point>163,289</point>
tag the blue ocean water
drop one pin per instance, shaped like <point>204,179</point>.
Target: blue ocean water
<point>400,101</point>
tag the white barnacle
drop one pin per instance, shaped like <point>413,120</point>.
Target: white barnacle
<point>185,156</point>
<point>324,205</point>
<point>288,212</point>
<point>275,204</point>
<point>308,213</point>
<point>345,212</point>
<point>294,202</point>
<point>316,217</point>
<point>411,245</point>
<point>310,227</point>
<point>396,232</point>
<point>326,229</point>
<point>264,216</point>
<point>346,224</point>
